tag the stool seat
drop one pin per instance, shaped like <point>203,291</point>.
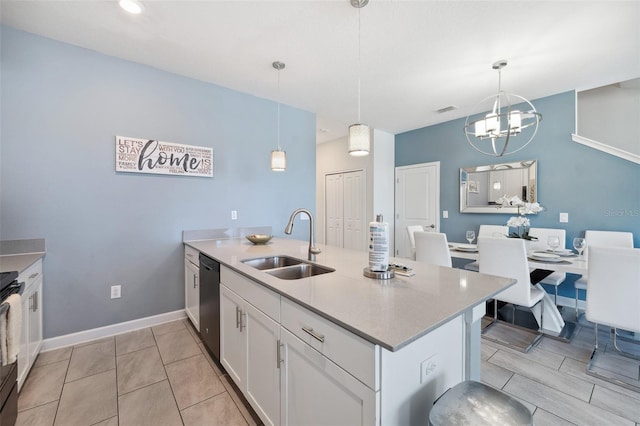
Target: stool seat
<point>474,403</point>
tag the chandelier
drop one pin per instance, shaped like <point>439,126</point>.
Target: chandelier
<point>509,127</point>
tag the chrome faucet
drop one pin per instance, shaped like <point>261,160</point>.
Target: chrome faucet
<point>313,250</point>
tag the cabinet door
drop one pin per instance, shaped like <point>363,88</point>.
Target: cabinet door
<point>192,293</point>
<point>232,346</point>
<point>23,355</point>
<point>35,321</point>
<point>315,391</point>
<point>263,366</point>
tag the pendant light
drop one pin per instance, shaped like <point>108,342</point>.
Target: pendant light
<point>500,132</point>
<point>359,135</point>
<point>278,156</point>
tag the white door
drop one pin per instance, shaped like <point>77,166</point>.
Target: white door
<point>353,190</point>
<point>315,391</point>
<point>232,347</point>
<point>263,366</point>
<point>345,210</point>
<point>417,202</point>
<point>334,210</point>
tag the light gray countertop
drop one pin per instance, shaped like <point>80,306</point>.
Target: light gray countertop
<point>391,313</point>
<point>18,262</point>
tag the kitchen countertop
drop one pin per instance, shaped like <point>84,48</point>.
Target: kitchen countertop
<point>391,313</point>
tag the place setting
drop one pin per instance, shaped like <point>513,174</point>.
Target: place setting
<point>469,248</point>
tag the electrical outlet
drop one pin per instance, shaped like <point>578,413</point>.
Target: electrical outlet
<point>445,214</point>
<point>428,367</point>
<point>564,217</point>
<point>116,291</point>
<point>234,215</point>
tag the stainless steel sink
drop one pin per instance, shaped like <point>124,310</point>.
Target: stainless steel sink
<point>272,262</point>
<point>303,270</point>
<point>287,268</point>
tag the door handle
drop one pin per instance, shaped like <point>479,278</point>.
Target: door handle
<point>432,226</point>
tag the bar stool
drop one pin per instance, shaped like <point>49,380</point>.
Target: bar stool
<point>474,403</point>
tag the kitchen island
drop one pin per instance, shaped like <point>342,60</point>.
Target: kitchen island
<point>346,348</point>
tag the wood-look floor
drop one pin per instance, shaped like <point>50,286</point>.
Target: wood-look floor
<point>163,373</point>
<point>551,380</point>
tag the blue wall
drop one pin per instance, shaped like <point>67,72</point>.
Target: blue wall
<point>599,191</point>
<point>62,107</point>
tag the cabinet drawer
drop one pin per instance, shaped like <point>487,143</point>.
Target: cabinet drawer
<point>191,255</point>
<point>31,274</point>
<point>259,296</point>
<point>351,352</point>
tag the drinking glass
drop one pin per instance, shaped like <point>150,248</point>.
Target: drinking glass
<point>471,236</point>
<point>579,244</point>
<point>554,242</point>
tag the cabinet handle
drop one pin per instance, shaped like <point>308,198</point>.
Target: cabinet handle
<point>32,276</point>
<point>189,255</point>
<point>194,281</point>
<point>36,300</point>
<point>31,302</point>
<point>278,360</point>
<point>238,317</point>
<point>243,324</point>
<point>319,337</point>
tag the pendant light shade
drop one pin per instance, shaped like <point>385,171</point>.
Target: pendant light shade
<point>509,126</point>
<point>278,156</point>
<point>359,135</point>
<point>278,160</point>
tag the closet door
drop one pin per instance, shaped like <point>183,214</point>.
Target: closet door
<point>354,226</point>
<point>334,207</point>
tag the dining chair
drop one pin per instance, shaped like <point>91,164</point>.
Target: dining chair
<point>507,257</point>
<point>601,238</point>
<point>411,229</point>
<point>542,235</point>
<point>493,231</point>
<point>487,231</point>
<point>432,248</point>
<point>613,290</point>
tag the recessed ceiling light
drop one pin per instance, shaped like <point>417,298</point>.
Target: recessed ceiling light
<point>131,6</point>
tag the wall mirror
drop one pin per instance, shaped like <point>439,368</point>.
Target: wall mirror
<point>481,186</point>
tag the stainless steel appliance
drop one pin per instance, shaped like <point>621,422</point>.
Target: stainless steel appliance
<point>210,305</point>
<point>8,373</point>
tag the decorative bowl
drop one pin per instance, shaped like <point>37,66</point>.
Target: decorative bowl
<point>259,238</point>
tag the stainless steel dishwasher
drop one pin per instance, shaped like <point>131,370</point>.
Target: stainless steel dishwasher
<point>210,305</point>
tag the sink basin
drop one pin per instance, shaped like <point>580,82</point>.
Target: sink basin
<point>272,262</point>
<point>287,268</point>
<point>303,270</point>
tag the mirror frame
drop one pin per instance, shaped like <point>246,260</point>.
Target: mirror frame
<point>532,187</point>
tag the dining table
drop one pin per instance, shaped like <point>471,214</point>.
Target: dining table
<point>562,260</point>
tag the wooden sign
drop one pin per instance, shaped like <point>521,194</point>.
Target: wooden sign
<point>135,155</point>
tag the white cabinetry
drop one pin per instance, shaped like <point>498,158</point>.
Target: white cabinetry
<point>297,367</point>
<point>249,342</point>
<point>31,334</point>
<point>315,391</point>
<point>192,286</point>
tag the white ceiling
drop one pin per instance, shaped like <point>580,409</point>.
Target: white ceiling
<point>416,56</point>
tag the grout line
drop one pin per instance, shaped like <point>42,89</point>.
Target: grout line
<point>166,373</point>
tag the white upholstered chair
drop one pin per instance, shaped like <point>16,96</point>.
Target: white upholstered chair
<point>542,235</point>
<point>411,229</point>
<point>432,248</point>
<point>507,257</point>
<point>606,239</point>
<point>487,231</point>
<point>613,289</point>
<point>493,231</point>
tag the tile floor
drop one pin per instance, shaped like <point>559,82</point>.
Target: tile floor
<point>155,376</point>
<point>162,375</point>
<point>551,380</point>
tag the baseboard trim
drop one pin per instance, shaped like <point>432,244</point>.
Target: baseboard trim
<point>109,330</point>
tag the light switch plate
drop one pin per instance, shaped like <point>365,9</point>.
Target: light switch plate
<point>234,215</point>
<point>564,217</point>
<point>116,291</point>
<point>445,214</point>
